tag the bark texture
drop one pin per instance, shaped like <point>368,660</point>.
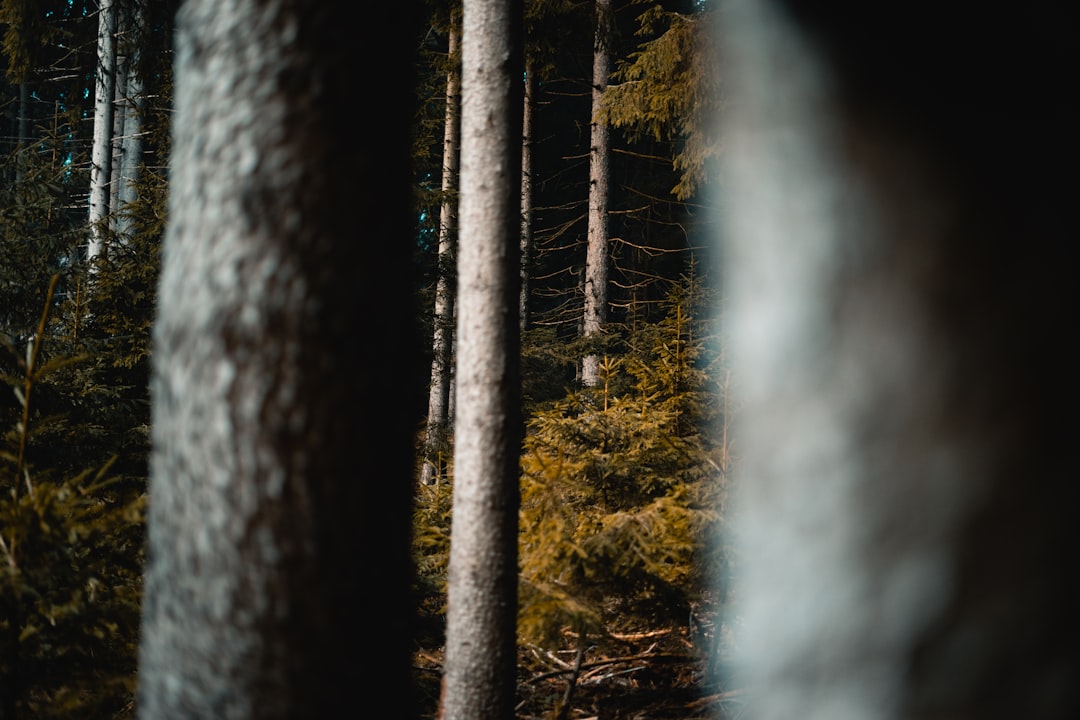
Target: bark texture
<point>596,261</point>
<point>526,189</point>
<point>132,105</point>
<point>438,420</point>
<point>479,679</point>
<point>101,150</point>
<point>280,475</point>
<point>897,320</point>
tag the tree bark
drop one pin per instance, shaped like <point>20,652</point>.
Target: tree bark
<point>526,189</point>
<point>438,420</point>
<point>900,302</point>
<point>133,106</point>
<point>119,113</point>
<point>23,124</point>
<point>101,151</point>
<point>596,261</point>
<point>478,683</point>
<point>278,529</point>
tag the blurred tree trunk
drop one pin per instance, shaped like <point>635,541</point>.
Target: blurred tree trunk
<point>278,527</point>
<point>901,300</point>
<point>479,679</point>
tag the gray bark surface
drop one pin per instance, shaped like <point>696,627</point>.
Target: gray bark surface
<point>278,528</point>
<point>479,676</point>
<point>133,106</point>
<point>896,316</point>
<point>120,115</point>
<point>596,261</point>
<point>438,421</point>
<point>101,150</point>
<point>526,190</point>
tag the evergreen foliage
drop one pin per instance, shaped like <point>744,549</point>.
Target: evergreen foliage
<point>669,88</point>
<point>70,555</point>
<point>620,485</point>
<point>73,459</point>
<point>431,543</point>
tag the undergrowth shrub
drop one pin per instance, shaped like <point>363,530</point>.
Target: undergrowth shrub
<point>622,484</point>
<point>71,547</point>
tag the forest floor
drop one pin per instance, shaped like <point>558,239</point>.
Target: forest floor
<point>652,673</point>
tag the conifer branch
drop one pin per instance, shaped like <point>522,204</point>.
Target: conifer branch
<point>32,351</point>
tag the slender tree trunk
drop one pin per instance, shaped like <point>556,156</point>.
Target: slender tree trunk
<point>438,420</point>
<point>101,152</point>
<point>278,577</point>
<point>119,113</point>
<point>479,680</point>
<point>134,103</point>
<point>596,261</point>
<point>24,132</point>
<point>526,189</point>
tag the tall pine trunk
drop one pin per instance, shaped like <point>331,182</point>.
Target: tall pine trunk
<point>438,420</point>
<point>134,104</point>
<point>23,140</point>
<point>101,150</point>
<point>278,577</point>
<point>479,679</point>
<point>596,261</point>
<point>526,189</point>
<point>120,82</point>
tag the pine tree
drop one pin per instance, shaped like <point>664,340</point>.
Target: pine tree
<point>621,485</point>
<point>527,141</point>
<point>479,677</point>
<point>596,262</point>
<point>669,89</point>
<point>436,441</point>
<point>132,106</point>
<point>278,482</point>
<point>101,157</point>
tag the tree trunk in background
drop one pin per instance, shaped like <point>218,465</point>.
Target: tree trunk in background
<point>438,420</point>
<point>120,112</point>
<point>901,298</point>
<point>101,152</point>
<point>596,261</point>
<point>134,104</point>
<point>24,131</point>
<point>526,189</point>
<point>279,514</point>
<point>479,676</point>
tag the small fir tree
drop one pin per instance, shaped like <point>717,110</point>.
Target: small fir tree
<point>621,485</point>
